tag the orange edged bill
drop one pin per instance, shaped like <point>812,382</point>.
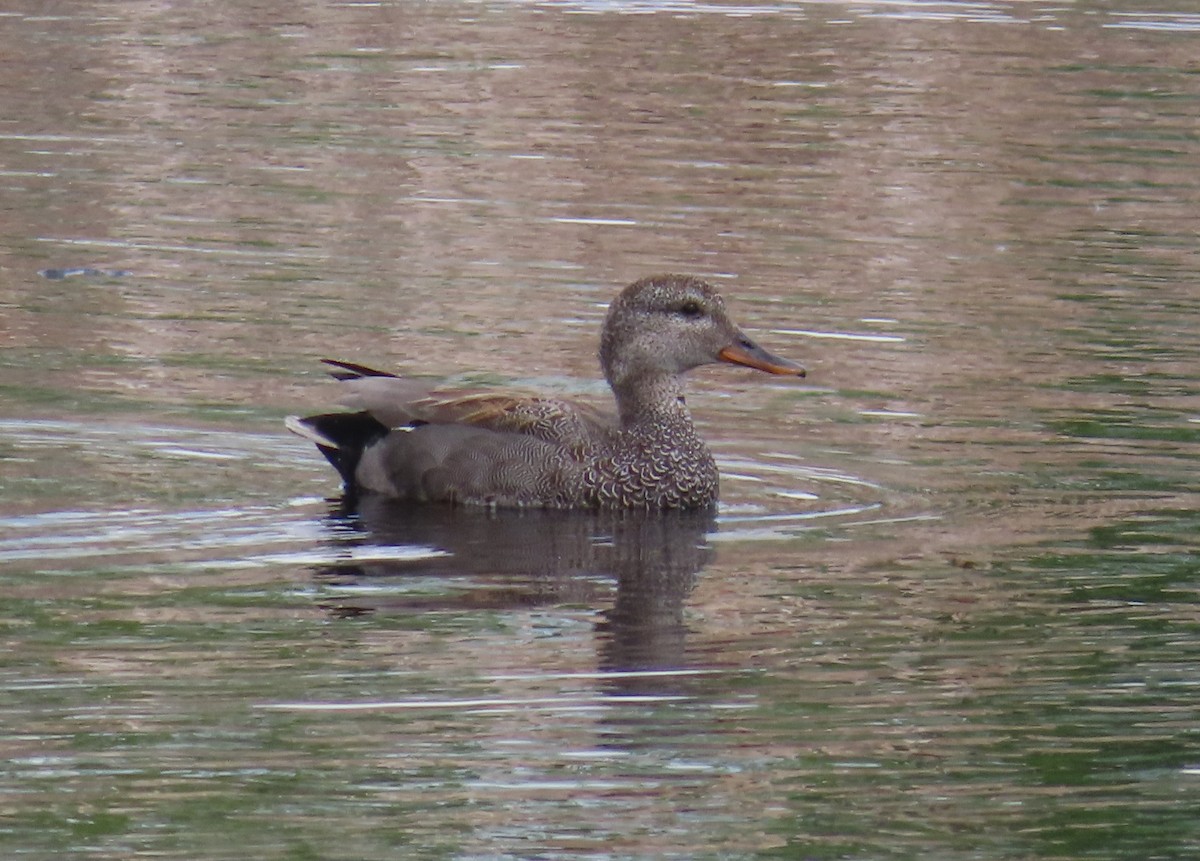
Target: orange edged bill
<point>743,351</point>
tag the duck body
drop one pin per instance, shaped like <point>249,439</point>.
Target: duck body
<point>491,448</point>
<point>470,465</point>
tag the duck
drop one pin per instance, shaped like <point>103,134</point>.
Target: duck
<point>399,438</point>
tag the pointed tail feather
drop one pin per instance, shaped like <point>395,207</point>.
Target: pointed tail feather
<point>351,371</point>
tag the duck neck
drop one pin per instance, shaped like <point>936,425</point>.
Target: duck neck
<point>653,402</point>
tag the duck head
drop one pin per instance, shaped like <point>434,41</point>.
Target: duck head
<point>666,325</point>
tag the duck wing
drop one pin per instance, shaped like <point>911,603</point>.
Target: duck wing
<point>397,402</point>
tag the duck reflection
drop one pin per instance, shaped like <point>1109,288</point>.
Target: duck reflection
<point>514,559</point>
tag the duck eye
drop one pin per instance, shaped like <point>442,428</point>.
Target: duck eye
<point>691,308</point>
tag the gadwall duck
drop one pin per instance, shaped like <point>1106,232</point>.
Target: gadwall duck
<point>499,449</point>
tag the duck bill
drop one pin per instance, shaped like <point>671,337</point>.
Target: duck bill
<point>743,351</point>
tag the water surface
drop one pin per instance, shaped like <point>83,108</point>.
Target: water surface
<point>948,607</point>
